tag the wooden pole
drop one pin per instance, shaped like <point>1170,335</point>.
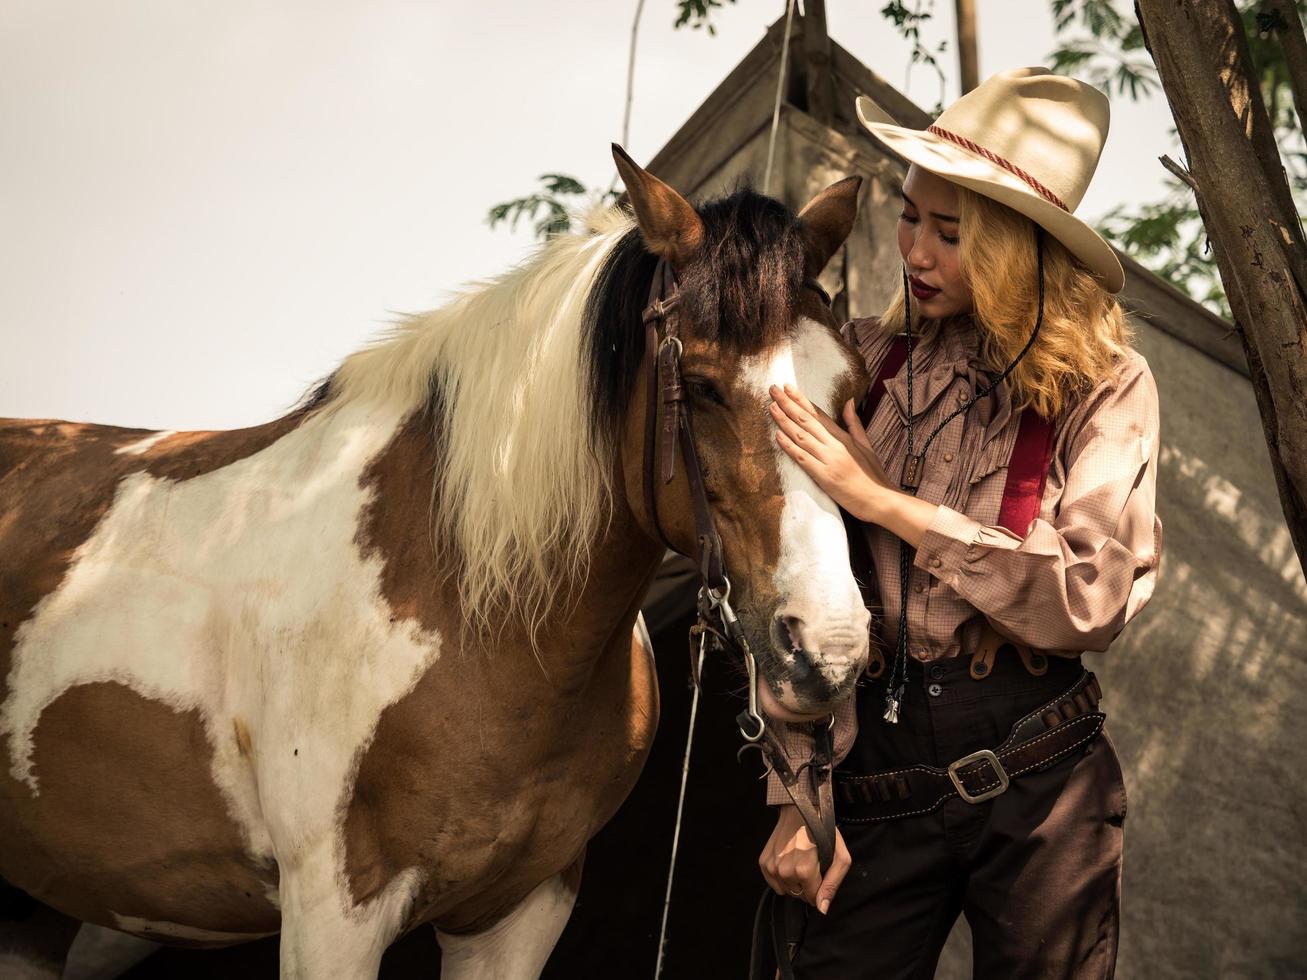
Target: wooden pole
<point>968,54</point>
<point>819,82</point>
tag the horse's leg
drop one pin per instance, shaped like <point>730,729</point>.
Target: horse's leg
<point>325,934</point>
<point>34,938</point>
<point>103,954</point>
<point>516,947</point>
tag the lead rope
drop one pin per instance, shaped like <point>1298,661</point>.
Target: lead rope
<point>913,465</point>
<point>676,833</point>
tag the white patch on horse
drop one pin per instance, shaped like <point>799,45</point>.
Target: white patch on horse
<point>149,929</point>
<point>141,446</point>
<point>241,594</point>
<point>517,945</point>
<point>812,574</point>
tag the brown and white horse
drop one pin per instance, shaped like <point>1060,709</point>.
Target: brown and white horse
<point>375,664</point>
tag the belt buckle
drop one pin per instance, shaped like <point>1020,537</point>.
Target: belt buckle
<point>987,756</point>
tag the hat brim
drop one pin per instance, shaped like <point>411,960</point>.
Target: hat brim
<point>952,162</point>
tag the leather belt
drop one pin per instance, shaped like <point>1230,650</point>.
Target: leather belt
<point>1042,737</point>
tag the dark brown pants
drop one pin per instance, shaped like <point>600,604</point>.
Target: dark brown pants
<point>1036,870</point>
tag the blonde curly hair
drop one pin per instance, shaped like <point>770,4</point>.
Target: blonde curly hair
<point>1084,330</point>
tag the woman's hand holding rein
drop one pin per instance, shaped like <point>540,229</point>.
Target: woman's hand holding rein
<point>789,861</point>
<point>842,462</point>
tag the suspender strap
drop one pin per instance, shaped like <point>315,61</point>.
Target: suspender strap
<point>1027,473</point>
<point>1032,453</point>
<point>889,367</point>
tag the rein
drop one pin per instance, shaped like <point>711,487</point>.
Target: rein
<point>717,625</point>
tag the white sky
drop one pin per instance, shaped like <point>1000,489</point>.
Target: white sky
<point>205,205</point>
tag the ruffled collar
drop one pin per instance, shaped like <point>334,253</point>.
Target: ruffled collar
<point>953,353</point>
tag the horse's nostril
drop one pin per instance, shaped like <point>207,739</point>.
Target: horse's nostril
<point>793,627</point>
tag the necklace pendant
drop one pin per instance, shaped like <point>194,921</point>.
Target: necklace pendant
<point>892,706</point>
<point>912,467</point>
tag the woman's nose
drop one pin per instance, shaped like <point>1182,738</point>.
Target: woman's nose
<point>920,256</point>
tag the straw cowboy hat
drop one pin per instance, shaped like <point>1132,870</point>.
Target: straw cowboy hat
<point>1026,138</point>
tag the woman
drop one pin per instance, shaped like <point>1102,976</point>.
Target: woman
<point>1010,527</point>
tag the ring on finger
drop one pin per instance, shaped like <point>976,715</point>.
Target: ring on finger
<point>796,892</point>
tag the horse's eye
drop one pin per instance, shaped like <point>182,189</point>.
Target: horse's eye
<point>704,389</point>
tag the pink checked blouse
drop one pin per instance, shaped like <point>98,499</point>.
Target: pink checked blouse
<point>1085,566</point>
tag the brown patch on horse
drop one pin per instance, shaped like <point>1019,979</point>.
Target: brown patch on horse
<point>185,455</point>
<point>401,536</point>
<point>105,831</point>
<point>524,753</point>
<point>242,734</point>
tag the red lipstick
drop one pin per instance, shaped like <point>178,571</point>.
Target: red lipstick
<point>920,289</point>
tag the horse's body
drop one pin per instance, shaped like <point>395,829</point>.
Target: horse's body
<point>242,687</point>
<point>216,682</point>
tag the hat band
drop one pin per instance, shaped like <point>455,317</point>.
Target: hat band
<point>1012,168</point>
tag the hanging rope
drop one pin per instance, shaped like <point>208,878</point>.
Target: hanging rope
<point>630,75</point>
<point>780,89</point>
<point>630,89</point>
<point>676,834</point>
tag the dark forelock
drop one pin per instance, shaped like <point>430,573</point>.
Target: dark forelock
<point>739,292</point>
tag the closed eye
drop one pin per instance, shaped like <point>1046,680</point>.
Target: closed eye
<point>903,216</point>
<point>705,390</point>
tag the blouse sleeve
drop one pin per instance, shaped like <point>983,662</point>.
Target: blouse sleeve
<point>798,745</point>
<point>1071,583</point>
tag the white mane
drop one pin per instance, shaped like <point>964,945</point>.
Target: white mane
<point>522,486</point>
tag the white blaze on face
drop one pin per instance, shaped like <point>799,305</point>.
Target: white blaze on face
<point>818,595</point>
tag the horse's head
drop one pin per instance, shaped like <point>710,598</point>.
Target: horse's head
<point>749,317</point>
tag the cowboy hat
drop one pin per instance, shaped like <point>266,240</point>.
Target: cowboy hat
<point>1025,137</point>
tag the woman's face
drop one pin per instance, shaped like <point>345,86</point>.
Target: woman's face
<point>928,242</point>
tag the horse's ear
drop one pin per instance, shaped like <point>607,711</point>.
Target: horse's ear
<point>670,226</point>
<point>827,220</point>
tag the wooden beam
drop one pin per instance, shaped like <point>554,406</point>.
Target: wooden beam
<point>818,81</point>
<point>968,55</point>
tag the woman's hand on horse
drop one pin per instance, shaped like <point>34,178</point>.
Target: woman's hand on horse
<point>789,861</point>
<point>841,461</point>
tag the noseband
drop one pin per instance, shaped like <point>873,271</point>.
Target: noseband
<point>717,626</point>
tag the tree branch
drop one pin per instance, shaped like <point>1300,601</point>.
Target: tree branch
<point>1180,172</point>
<point>1289,30</point>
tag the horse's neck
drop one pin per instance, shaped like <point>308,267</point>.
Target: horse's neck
<point>419,579</point>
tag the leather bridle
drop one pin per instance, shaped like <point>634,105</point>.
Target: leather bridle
<point>717,625</point>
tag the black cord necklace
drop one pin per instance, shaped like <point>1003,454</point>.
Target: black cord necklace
<point>914,464</point>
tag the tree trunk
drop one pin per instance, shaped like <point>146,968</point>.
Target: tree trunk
<point>1294,45</point>
<point>1243,196</point>
<point>968,54</point>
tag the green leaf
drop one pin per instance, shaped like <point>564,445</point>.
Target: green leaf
<point>562,184</point>
<point>697,13</point>
<point>551,199</point>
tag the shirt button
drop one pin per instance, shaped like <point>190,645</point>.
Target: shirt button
<point>934,690</point>
<point>948,457</point>
<point>919,589</point>
<point>935,563</point>
<point>964,397</point>
<point>937,672</point>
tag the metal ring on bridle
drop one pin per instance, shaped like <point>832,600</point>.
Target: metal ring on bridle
<point>719,599</point>
<point>680,348</point>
